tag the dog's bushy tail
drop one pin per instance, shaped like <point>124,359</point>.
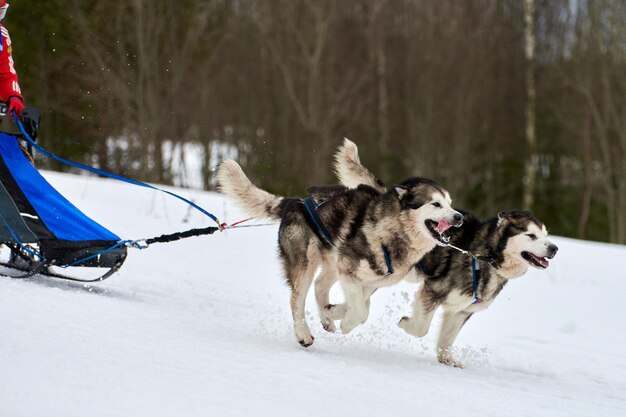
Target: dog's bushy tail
<point>349,170</point>
<point>255,202</point>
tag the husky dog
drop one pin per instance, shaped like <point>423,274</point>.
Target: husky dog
<point>362,237</point>
<point>462,281</point>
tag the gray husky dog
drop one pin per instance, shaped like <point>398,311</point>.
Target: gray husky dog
<point>362,237</point>
<point>464,275</point>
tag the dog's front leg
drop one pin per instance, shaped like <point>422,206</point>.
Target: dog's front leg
<point>356,305</point>
<point>450,327</point>
<point>338,311</point>
<point>422,315</point>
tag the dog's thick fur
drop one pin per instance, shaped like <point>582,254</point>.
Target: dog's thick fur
<point>511,241</point>
<point>408,219</point>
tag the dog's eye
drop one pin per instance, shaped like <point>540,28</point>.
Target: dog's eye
<point>414,206</point>
<point>532,236</point>
<point>437,204</point>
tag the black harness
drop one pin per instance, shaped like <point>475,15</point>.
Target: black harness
<point>313,208</point>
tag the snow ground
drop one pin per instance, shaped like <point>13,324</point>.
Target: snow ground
<point>202,327</point>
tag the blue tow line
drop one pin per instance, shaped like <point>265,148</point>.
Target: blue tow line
<point>103,173</point>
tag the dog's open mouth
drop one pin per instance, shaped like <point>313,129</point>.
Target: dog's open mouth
<point>536,261</point>
<point>438,230</point>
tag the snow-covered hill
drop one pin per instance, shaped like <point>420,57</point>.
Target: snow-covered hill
<point>202,327</point>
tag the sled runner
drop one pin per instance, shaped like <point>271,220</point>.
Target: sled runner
<point>41,232</point>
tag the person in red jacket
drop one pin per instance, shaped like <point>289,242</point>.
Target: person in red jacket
<point>9,88</point>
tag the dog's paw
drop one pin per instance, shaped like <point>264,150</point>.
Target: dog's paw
<point>328,325</point>
<point>334,312</point>
<point>409,326</point>
<point>306,342</point>
<point>446,358</point>
<point>348,324</point>
<point>303,333</point>
<point>404,323</point>
<point>346,328</point>
<point>326,318</point>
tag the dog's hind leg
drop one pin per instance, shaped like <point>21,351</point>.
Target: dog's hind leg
<point>299,272</point>
<point>422,315</point>
<point>451,325</point>
<point>323,284</point>
<point>301,283</point>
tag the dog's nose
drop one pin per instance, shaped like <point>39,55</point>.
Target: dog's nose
<point>458,218</point>
<point>552,250</point>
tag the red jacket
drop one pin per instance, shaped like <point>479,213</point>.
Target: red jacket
<point>9,86</point>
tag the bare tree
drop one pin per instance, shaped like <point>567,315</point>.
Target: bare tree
<point>379,57</point>
<point>139,56</point>
<point>457,91</point>
<point>321,88</point>
<point>530,172</point>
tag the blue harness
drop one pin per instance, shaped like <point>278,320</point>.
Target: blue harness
<point>476,275</point>
<point>387,259</point>
<point>313,209</point>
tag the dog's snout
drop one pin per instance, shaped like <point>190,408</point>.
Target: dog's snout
<point>458,218</point>
<point>552,250</point>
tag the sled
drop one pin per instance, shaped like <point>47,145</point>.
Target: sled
<point>41,232</point>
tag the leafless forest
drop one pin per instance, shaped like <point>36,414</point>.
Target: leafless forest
<point>509,104</point>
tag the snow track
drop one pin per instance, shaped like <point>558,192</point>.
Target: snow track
<point>202,327</point>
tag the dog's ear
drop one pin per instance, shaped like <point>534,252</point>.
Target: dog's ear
<point>407,199</point>
<point>515,217</point>
<point>401,191</point>
<point>503,216</point>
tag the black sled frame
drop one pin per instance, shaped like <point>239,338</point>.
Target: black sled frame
<point>18,263</point>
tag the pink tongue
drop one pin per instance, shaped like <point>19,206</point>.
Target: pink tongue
<point>442,226</point>
<point>541,261</point>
